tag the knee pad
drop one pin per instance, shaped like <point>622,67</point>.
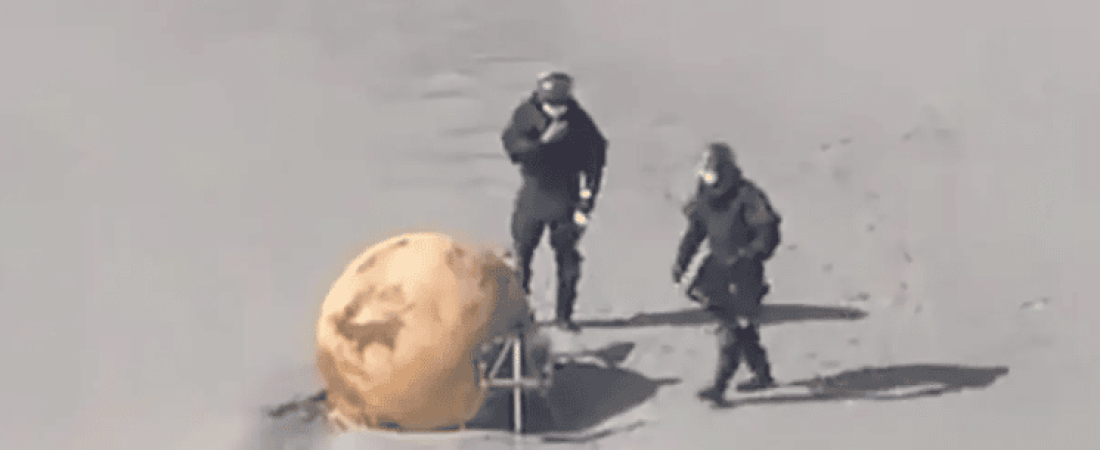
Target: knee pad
<point>565,235</point>
<point>568,256</point>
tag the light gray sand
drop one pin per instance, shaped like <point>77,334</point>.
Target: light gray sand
<point>181,181</point>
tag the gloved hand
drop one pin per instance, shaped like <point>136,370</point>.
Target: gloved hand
<point>580,218</point>
<point>554,132</point>
<point>677,273</point>
<point>587,202</point>
<point>585,206</point>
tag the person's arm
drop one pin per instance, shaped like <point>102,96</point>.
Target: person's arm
<point>520,136</point>
<point>762,218</point>
<point>596,160</point>
<point>690,242</point>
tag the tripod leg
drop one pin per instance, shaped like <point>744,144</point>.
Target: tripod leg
<point>517,389</point>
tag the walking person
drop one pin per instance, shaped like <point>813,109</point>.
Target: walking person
<point>743,232</point>
<point>554,142</point>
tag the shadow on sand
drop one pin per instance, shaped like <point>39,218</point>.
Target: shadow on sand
<point>886,383</point>
<point>772,315</point>
<point>291,432</point>
<point>582,396</point>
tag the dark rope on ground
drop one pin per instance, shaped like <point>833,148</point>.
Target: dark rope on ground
<point>308,404</point>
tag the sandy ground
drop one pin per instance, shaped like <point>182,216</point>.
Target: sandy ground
<point>181,181</point>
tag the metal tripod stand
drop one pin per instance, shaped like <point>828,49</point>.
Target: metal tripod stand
<point>540,379</point>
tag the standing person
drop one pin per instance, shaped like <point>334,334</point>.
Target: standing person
<point>554,141</point>
<point>743,230</point>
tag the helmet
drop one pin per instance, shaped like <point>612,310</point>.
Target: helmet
<point>718,171</point>
<point>554,87</point>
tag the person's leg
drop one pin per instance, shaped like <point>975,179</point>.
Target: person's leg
<point>747,288</point>
<point>526,233</point>
<point>756,358</point>
<point>729,357</point>
<point>564,238</point>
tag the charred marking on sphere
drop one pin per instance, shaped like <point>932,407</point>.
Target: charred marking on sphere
<point>454,256</point>
<point>491,273</point>
<point>356,304</point>
<point>391,294</point>
<point>382,332</point>
<point>370,262</point>
<point>341,396</point>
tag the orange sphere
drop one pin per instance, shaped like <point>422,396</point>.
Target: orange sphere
<point>399,331</point>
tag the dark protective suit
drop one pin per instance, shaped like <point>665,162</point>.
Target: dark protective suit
<point>550,191</point>
<point>743,230</point>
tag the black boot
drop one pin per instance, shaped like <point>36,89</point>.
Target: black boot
<point>567,296</point>
<point>525,280</point>
<point>758,382</point>
<point>729,357</point>
<point>716,392</point>
<point>568,325</point>
<point>713,394</point>
<point>523,272</point>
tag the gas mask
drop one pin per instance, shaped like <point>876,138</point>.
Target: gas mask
<point>717,172</point>
<point>555,111</point>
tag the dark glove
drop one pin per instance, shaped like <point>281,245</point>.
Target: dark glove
<point>585,206</point>
<point>677,273</point>
<point>554,132</point>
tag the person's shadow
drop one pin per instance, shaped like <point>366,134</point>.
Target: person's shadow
<point>586,392</point>
<point>772,314</point>
<point>901,382</point>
